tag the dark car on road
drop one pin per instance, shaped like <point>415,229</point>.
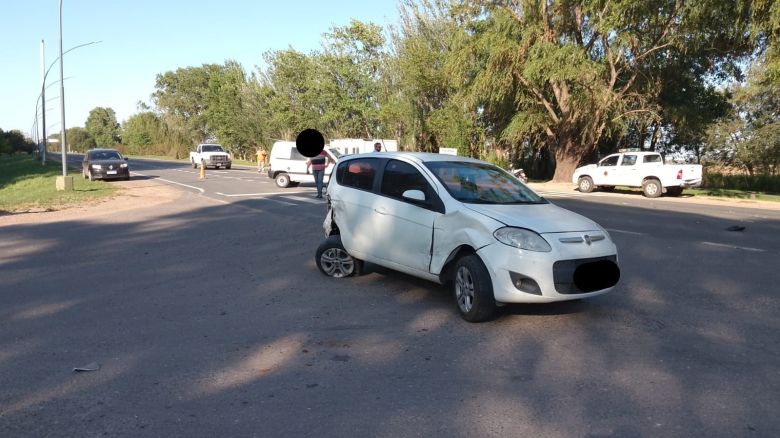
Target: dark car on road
<point>104,164</point>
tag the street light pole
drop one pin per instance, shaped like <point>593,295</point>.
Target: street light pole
<point>62,105</point>
<point>43,104</point>
<point>65,183</point>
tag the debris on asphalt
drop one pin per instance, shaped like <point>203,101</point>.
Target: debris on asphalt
<point>92,366</point>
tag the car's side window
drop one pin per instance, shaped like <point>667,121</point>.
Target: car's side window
<point>295,155</point>
<point>610,161</point>
<point>400,177</point>
<point>358,173</point>
<point>628,160</point>
<point>651,159</point>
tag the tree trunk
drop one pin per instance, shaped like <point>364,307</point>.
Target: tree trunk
<point>566,160</point>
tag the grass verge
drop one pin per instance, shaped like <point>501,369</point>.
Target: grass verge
<point>733,194</point>
<point>26,186</point>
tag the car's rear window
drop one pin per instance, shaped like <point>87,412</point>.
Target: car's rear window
<point>479,183</point>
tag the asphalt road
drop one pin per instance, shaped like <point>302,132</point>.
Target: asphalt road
<point>208,317</point>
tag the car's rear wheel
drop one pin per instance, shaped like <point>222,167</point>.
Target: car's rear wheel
<point>585,184</point>
<point>194,166</point>
<point>283,180</point>
<point>473,289</point>
<point>652,188</point>
<point>334,261</point>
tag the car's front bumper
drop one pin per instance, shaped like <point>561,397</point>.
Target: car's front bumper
<point>120,173</point>
<point>559,275</point>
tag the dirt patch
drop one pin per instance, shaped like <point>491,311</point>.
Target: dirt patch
<point>132,195</point>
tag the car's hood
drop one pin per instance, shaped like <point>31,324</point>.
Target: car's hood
<point>588,166</point>
<point>542,218</point>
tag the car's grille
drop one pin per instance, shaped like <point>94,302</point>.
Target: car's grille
<point>220,158</point>
<point>581,276</point>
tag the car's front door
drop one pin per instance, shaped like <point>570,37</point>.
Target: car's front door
<point>403,227</point>
<point>605,173</point>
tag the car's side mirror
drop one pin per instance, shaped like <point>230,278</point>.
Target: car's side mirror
<point>415,195</point>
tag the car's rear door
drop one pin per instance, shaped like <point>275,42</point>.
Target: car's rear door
<point>352,204</point>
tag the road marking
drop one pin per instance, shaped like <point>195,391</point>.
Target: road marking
<point>612,230</point>
<point>172,182</point>
<point>722,245</point>
<point>254,195</point>
<point>302,199</point>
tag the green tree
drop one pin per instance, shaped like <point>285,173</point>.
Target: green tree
<point>79,139</point>
<point>574,72</point>
<point>103,127</point>
<point>5,147</point>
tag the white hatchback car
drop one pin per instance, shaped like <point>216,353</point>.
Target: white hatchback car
<point>465,222</point>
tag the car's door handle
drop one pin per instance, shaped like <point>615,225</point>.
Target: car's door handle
<point>380,210</point>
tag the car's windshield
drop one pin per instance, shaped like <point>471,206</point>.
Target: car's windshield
<point>105,155</point>
<point>212,148</point>
<point>480,183</point>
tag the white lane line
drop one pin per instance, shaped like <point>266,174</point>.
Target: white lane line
<point>722,245</point>
<point>254,195</point>
<point>172,182</point>
<point>302,199</point>
<point>612,230</point>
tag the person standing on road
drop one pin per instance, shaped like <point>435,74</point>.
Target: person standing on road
<point>377,147</point>
<point>262,155</point>
<point>318,164</point>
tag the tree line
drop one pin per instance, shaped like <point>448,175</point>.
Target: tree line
<point>545,85</point>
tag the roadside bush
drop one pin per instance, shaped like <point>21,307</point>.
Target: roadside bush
<point>755,183</point>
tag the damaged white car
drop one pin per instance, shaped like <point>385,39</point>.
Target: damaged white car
<point>464,222</point>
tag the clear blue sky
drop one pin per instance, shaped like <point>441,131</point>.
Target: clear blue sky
<point>141,38</point>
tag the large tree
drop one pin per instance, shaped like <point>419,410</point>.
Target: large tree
<point>79,139</point>
<point>573,72</point>
<point>103,127</point>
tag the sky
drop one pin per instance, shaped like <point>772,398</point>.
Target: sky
<point>139,39</point>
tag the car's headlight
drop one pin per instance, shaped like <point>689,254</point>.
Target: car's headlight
<point>522,238</point>
<point>96,166</point>
<point>123,165</point>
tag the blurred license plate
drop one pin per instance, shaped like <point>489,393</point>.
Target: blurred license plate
<point>111,172</point>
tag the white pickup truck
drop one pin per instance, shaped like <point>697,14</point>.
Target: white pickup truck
<point>638,169</point>
<point>211,155</point>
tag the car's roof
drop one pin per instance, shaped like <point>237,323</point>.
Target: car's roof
<point>102,149</point>
<point>420,157</point>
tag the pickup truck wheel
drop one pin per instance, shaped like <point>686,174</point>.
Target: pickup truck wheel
<point>283,180</point>
<point>585,184</point>
<point>194,166</point>
<point>652,188</point>
<point>674,191</point>
<point>334,261</point>
<point>228,166</point>
<point>473,289</point>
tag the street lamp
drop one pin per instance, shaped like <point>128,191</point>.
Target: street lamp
<point>42,95</point>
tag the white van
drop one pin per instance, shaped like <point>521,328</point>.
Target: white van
<point>288,166</point>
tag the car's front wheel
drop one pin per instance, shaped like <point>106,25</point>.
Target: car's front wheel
<point>283,180</point>
<point>585,184</point>
<point>473,289</point>
<point>194,166</point>
<point>334,261</point>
